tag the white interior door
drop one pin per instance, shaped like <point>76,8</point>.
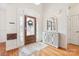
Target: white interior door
<point>74,29</point>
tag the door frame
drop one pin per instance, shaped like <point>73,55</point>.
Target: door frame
<point>25,30</point>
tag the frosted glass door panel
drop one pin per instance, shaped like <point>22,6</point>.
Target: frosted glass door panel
<point>30,28</point>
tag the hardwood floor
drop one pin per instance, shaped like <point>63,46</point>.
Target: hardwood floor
<point>3,51</point>
<point>72,50</point>
<point>2,48</point>
<point>14,52</point>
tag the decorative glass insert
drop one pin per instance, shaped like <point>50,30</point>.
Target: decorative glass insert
<point>52,24</point>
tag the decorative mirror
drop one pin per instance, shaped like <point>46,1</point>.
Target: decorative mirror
<point>49,25</point>
<point>52,24</point>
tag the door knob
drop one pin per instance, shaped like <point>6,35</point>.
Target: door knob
<point>77,31</point>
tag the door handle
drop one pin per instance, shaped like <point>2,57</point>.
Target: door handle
<point>77,31</point>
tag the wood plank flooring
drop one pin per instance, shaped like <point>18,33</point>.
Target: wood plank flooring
<point>72,50</point>
<point>14,52</point>
<point>3,51</point>
<point>2,48</point>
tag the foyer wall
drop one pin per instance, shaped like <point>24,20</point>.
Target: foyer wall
<point>12,14</point>
<point>61,12</point>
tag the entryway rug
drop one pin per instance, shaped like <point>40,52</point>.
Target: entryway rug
<point>31,48</point>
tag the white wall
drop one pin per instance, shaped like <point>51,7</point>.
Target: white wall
<point>61,12</point>
<point>35,13</point>
<point>13,13</point>
<point>2,25</point>
<point>74,9</point>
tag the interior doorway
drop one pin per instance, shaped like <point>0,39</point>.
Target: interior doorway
<point>74,29</point>
<point>29,29</point>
